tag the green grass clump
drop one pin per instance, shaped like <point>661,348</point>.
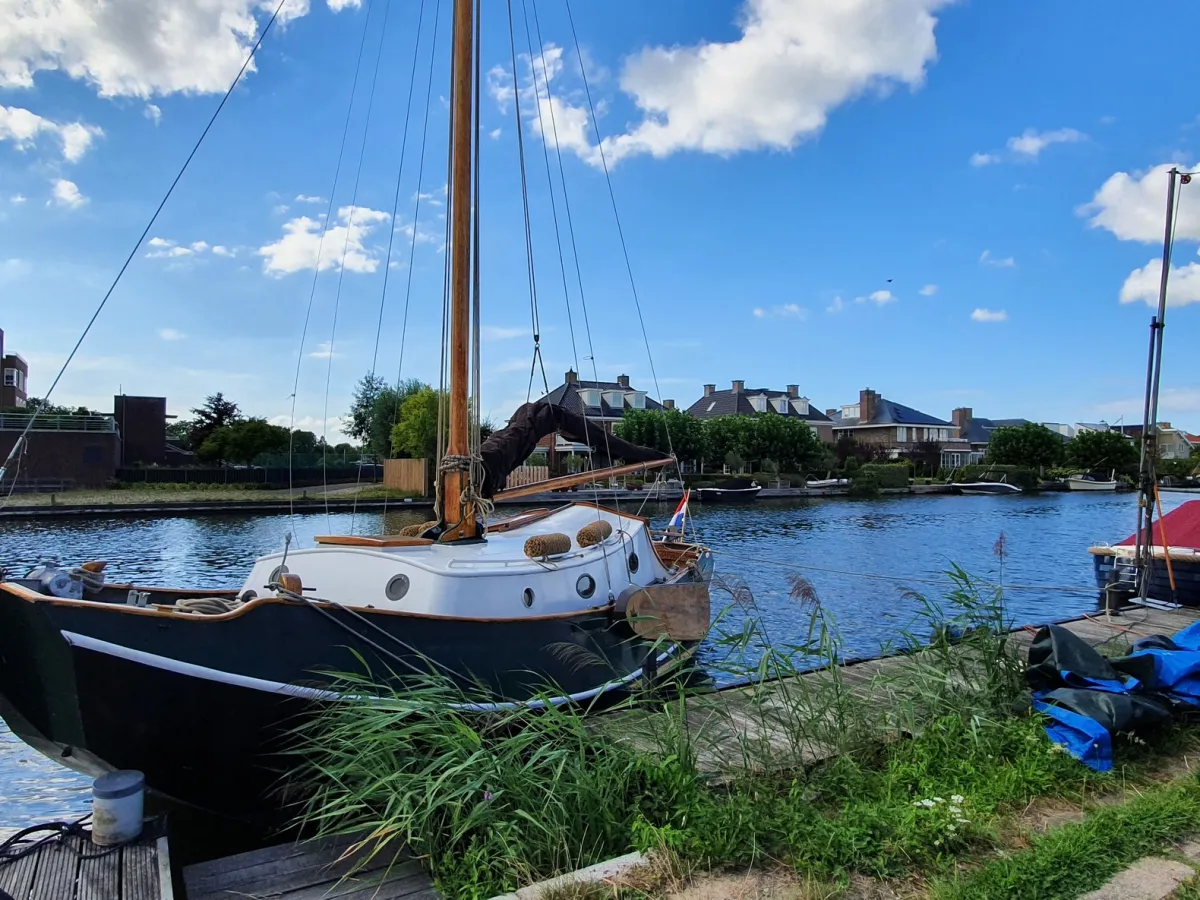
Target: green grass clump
<point>1074,859</point>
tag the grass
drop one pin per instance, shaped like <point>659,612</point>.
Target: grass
<point>920,769</point>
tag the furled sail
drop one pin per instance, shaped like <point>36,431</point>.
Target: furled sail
<point>506,449</point>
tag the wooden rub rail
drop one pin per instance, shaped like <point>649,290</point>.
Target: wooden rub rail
<point>567,481</point>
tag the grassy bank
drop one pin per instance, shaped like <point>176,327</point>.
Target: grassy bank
<point>923,784</point>
<point>153,494</point>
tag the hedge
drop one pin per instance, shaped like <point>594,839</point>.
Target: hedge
<point>887,475</point>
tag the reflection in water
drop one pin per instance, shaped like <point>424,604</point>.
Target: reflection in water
<point>903,542</point>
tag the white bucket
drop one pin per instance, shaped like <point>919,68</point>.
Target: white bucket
<point>117,801</point>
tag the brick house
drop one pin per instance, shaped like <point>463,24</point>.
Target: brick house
<point>897,428</point>
<point>740,401</point>
<point>14,387</point>
<point>978,431</point>
<point>604,402</point>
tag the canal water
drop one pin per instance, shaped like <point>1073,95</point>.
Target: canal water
<point>861,557</point>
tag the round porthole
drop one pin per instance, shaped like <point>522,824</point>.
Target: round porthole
<point>397,587</point>
<point>527,597</point>
<point>275,573</point>
<point>633,563</point>
<point>586,586</point>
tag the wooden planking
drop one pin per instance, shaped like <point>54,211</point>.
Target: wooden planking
<point>99,876</point>
<point>72,868</point>
<point>17,877</point>
<point>58,867</point>
<point>308,871</point>
<point>140,874</point>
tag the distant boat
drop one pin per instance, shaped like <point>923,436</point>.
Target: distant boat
<point>1177,535</point>
<point>985,487</point>
<point>1089,482</point>
<point>735,490</point>
<point>825,482</point>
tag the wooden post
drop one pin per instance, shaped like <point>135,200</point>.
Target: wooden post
<point>460,271</point>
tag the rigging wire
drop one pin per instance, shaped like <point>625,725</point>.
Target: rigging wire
<point>145,231</point>
<point>533,306</point>
<point>312,291</point>
<point>337,297</point>
<point>387,265</point>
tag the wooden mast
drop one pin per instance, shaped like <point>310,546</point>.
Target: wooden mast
<point>455,482</point>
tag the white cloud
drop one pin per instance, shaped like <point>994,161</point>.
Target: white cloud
<point>1030,143</point>
<point>986,258</point>
<point>324,351</point>
<point>165,248</point>
<point>301,246</point>
<point>494,134</point>
<point>12,269</point>
<point>17,199</point>
<point>339,5</point>
<point>786,311</point>
<point>882,298</point>
<point>836,306</point>
<point>66,193</point>
<point>1183,287</point>
<point>219,250</point>
<point>309,198</point>
<point>23,127</point>
<point>171,334</point>
<point>928,291</point>
<point>759,312</point>
<point>135,48</point>
<point>793,62</point>
<point>1133,207</point>
<point>989,315</point>
<point>500,333</point>
<point>984,159</point>
<point>153,113</point>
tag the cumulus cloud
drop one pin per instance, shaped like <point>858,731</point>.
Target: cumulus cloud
<point>836,306</point>
<point>1183,287</point>
<point>928,291</point>
<point>309,198</point>
<point>171,334</point>
<point>774,85</point>
<point>23,128</point>
<point>500,333</point>
<point>1030,143</point>
<point>302,247</point>
<point>135,48</point>
<point>153,113</point>
<point>1133,207</point>
<point>984,159</point>
<point>1006,262</point>
<point>787,311</point>
<point>882,298</point>
<point>17,199</point>
<point>989,315</point>
<point>324,351</point>
<point>66,193</point>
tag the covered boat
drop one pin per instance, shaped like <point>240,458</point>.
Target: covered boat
<point>1174,537</point>
<point>734,490</point>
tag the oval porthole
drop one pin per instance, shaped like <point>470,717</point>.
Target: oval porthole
<point>527,597</point>
<point>396,588</point>
<point>633,563</point>
<point>586,586</point>
<point>275,573</point>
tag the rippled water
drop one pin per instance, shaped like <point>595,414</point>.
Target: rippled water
<point>900,542</point>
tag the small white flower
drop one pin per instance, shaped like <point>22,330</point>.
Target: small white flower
<point>954,810</point>
<point>928,804</point>
<point>963,821</point>
<point>938,800</point>
<point>957,798</point>
<point>952,827</point>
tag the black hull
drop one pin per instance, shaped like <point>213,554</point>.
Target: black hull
<point>726,495</point>
<point>204,708</point>
<point>1187,578</point>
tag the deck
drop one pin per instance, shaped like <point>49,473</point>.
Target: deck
<point>315,870</point>
<point>72,868</point>
<point>734,727</point>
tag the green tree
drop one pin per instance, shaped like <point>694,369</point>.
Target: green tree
<point>926,456</point>
<point>217,412</point>
<point>1028,444</point>
<point>1101,450</point>
<point>725,435</point>
<point>362,407</point>
<point>243,441</point>
<point>180,430</point>
<point>385,413</point>
<point>415,434</point>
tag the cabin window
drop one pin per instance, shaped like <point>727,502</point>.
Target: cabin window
<point>902,434</point>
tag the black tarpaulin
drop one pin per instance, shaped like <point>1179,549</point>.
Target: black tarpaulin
<point>506,449</point>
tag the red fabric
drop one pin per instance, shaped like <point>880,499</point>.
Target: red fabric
<point>1182,525</point>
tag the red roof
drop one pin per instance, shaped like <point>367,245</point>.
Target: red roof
<point>1182,527</point>
<point>1192,438</point>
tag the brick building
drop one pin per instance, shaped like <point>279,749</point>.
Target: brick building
<point>897,428</point>
<point>14,390</point>
<point>742,401</point>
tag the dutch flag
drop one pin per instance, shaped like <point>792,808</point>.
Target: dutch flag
<point>676,523</point>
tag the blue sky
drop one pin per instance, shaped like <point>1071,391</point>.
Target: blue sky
<point>775,163</point>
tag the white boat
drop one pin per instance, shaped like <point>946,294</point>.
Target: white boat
<point>814,483</point>
<point>1089,482</point>
<point>993,488</point>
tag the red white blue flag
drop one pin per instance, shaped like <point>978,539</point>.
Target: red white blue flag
<point>676,523</point>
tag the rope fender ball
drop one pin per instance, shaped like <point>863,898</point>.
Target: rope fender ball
<point>596,533</point>
<point>541,546</point>
<point>417,530</point>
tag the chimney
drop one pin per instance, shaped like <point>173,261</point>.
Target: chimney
<point>833,412</point>
<point>739,386</point>
<point>623,381</point>
<point>868,405</point>
<point>668,404</point>
<point>571,377</point>
<point>708,389</point>
<point>793,391</point>
<point>961,418</point>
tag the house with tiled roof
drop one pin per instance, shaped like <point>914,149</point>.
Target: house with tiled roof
<point>977,430</point>
<point>898,428</point>
<point>742,401</point>
<point>605,402</point>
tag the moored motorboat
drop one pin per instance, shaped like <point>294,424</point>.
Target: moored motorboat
<point>994,488</point>
<point>1091,482</point>
<point>735,490</point>
<point>827,482</point>
<point>1174,537</point>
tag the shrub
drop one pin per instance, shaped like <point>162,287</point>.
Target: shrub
<point>888,475</point>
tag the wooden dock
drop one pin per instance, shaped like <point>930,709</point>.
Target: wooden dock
<point>70,867</point>
<point>314,870</point>
<point>740,726</point>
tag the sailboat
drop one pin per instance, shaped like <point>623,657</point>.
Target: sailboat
<point>197,688</point>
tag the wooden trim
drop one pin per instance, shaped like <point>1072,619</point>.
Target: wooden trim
<point>169,613</point>
<point>1127,550</point>
<point>592,504</point>
<point>519,520</point>
<point>566,481</point>
<point>389,540</point>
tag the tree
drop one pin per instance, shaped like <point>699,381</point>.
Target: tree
<point>244,441</point>
<point>415,434</point>
<point>1028,444</point>
<point>926,456</point>
<point>373,426</point>
<point>304,442</point>
<point>180,431</point>
<point>362,407</point>
<point>1101,450</point>
<point>217,412</point>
